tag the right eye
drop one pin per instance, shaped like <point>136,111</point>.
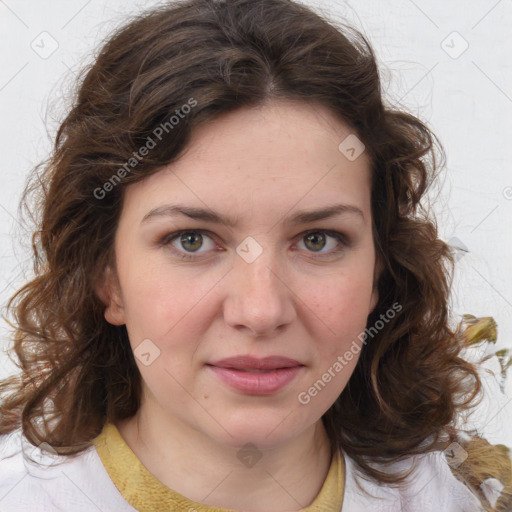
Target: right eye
<point>186,243</point>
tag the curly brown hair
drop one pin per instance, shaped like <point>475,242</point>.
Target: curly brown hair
<point>78,371</point>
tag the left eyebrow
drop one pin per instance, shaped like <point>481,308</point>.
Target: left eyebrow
<point>305,216</point>
<point>301,217</point>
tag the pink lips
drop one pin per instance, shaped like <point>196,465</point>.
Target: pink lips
<point>255,376</point>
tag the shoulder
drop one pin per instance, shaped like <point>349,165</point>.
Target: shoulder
<point>430,486</point>
<point>33,479</point>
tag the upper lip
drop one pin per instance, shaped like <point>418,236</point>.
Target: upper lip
<point>254,363</point>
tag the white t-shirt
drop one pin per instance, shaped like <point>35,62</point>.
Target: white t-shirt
<point>82,484</point>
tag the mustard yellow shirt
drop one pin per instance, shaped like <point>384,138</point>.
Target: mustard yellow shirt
<point>117,481</point>
<point>143,491</point>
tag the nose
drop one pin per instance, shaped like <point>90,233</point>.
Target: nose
<point>259,297</point>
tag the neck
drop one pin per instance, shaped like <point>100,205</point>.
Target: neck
<point>283,478</point>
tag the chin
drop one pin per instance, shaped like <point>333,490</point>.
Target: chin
<point>265,431</point>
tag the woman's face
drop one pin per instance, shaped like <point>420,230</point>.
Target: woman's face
<point>272,284</point>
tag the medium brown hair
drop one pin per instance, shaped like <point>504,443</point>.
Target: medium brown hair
<point>78,371</point>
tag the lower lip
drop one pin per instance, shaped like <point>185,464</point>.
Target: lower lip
<point>256,383</point>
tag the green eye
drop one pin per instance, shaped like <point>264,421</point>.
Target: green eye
<point>191,239</point>
<point>187,244</point>
<point>315,241</point>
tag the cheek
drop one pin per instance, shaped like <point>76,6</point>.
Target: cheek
<point>340,317</point>
<point>159,299</point>
<point>343,304</point>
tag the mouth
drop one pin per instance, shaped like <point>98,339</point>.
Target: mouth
<point>253,376</point>
<point>256,365</point>
<point>248,370</point>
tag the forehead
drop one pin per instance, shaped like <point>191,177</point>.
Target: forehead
<point>282,128</point>
<point>261,159</point>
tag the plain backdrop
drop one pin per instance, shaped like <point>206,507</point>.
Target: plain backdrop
<point>447,62</point>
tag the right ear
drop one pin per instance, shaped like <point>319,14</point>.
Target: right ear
<point>109,292</point>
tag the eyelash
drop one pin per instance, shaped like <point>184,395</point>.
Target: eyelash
<point>166,240</point>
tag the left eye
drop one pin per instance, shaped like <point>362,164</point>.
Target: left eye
<point>317,240</point>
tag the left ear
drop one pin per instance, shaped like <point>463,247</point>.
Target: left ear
<point>375,292</point>
<point>374,299</point>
